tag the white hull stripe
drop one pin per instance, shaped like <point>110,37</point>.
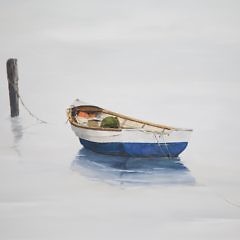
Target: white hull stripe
<point>131,136</point>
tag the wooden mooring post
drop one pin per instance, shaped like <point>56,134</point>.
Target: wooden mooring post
<point>12,74</point>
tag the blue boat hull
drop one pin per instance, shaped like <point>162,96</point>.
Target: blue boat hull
<point>172,149</point>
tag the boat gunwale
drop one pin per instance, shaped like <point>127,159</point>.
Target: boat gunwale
<point>95,128</point>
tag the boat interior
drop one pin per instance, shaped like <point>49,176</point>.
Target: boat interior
<point>92,117</point>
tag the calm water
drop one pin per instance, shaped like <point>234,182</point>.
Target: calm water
<point>175,63</point>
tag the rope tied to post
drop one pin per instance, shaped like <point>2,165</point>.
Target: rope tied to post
<point>24,105</point>
<point>13,87</point>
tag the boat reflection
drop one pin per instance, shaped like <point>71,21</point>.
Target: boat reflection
<point>131,171</point>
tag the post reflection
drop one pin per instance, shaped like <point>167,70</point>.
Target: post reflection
<point>17,131</point>
<point>131,171</point>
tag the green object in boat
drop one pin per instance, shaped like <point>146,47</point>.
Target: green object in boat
<point>110,122</point>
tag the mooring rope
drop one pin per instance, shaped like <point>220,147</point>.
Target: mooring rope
<point>24,105</point>
<point>162,135</point>
<point>157,137</point>
<point>158,142</point>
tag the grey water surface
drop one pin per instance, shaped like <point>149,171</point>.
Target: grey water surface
<point>169,62</point>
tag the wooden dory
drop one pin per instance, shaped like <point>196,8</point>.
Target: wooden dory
<point>133,137</point>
